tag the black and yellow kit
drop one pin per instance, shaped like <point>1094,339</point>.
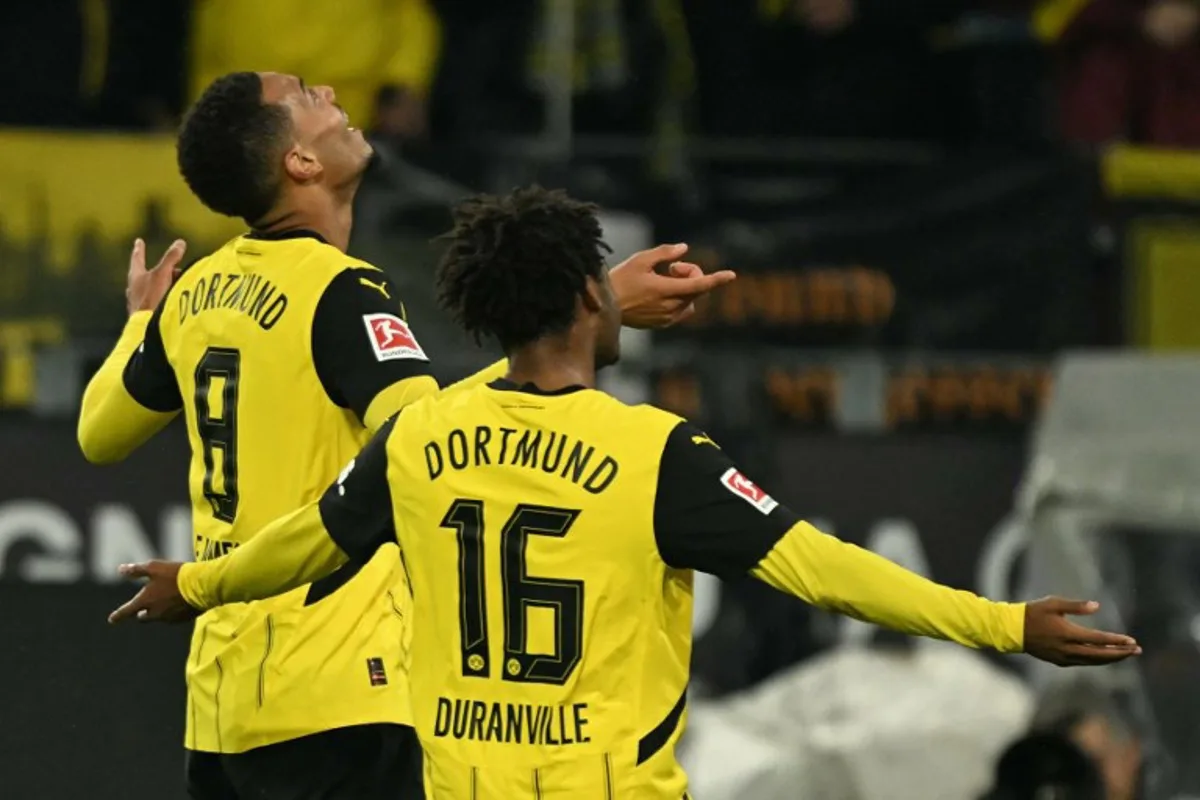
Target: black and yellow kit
<point>283,354</point>
<point>550,541</point>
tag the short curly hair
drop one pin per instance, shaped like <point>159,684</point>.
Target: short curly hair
<point>229,147</point>
<point>516,264</point>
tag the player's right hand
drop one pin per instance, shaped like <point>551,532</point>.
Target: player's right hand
<point>1051,637</point>
<point>159,599</point>
<point>145,288</point>
<point>650,299</point>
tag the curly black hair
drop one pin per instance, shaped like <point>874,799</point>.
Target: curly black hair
<point>229,146</point>
<point>516,264</point>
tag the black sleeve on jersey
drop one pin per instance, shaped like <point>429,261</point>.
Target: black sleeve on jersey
<point>357,510</point>
<point>343,355</point>
<point>698,522</point>
<point>148,376</point>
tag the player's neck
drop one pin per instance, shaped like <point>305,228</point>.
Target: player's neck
<point>553,363</point>
<point>324,213</point>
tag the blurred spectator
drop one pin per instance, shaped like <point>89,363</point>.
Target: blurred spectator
<point>1129,70</point>
<point>479,82</point>
<point>1046,766</point>
<point>1089,717</point>
<point>619,61</point>
<point>357,46</point>
<point>830,68</point>
<point>146,78</point>
<point>52,60</point>
<point>400,114</point>
<point>627,53</point>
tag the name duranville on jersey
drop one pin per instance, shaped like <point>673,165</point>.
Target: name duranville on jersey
<point>248,293</point>
<point>511,723</point>
<point>551,452</point>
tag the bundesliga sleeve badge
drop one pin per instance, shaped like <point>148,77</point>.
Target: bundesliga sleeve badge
<point>746,489</point>
<point>391,338</point>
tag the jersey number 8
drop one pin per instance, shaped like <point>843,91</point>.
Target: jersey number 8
<point>216,424</point>
<point>521,591</point>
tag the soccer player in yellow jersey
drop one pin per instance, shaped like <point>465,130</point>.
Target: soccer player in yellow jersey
<point>283,355</point>
<point>550,533</point>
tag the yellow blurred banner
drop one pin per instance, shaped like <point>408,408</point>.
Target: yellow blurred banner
<point>70,207</point>
<point>63,192</point>
<point>1164,260</point>
<point>19,340</point>
<point>1131,172</point>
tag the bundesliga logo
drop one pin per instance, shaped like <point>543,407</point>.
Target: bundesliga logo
<point>746,489</point>
<point>391,338</point>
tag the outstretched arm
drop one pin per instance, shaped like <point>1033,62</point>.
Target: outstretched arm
<point>837,576</point>
<point>351,520</point>
<point>293,550</point>
<point>711,517</point>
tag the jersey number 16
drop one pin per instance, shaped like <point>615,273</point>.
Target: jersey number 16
<point>521,591</point>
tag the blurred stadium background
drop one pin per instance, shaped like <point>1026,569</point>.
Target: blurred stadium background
<point>968,234</point>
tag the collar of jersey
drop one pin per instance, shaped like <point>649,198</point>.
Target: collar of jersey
<point>504,385</point>
<point>278,236</point>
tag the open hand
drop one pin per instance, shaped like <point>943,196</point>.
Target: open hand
<point>650,299</point>
<point>146,288</point>
<point>159,599</point>
<point>1051,637</point>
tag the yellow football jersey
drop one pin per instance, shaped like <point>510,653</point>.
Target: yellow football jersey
<point>274,348</point>
<point>550,542</point>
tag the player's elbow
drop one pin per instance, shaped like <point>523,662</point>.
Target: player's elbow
<point>97,448</point>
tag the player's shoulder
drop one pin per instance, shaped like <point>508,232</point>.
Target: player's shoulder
<point>333,266</point>
<point>308,255</point>
<point>651,416</point>
<point>423,415</point>
<point>642,422</point>
<point>678,433</point>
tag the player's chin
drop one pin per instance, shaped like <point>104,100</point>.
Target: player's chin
<point>366,153</point>
<point>366,148</point>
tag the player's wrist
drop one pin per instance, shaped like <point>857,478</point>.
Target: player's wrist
<point>189,582</point>
<point>138,321</point>
<point>1016,619</point>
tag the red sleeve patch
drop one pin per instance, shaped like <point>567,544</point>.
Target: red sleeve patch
<point>391,338</point>
<point>746,489</point>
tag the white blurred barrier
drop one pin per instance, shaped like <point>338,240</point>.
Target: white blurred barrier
<point>1115,470</point>
<point>860,724</point>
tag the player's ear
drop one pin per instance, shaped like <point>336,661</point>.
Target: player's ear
<point>301,164</point>
<point>593,295</point>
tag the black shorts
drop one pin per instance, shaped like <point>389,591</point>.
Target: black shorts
<point>365,762</point>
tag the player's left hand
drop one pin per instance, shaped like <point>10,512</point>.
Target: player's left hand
<point>159,599</point>
<point>145,288</point>
<point>1050,636</point>
<point>650,299</point>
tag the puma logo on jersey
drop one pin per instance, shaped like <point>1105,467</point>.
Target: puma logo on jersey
<point>703,439</point>
<point>380,287</point>
<point>391,338</point>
